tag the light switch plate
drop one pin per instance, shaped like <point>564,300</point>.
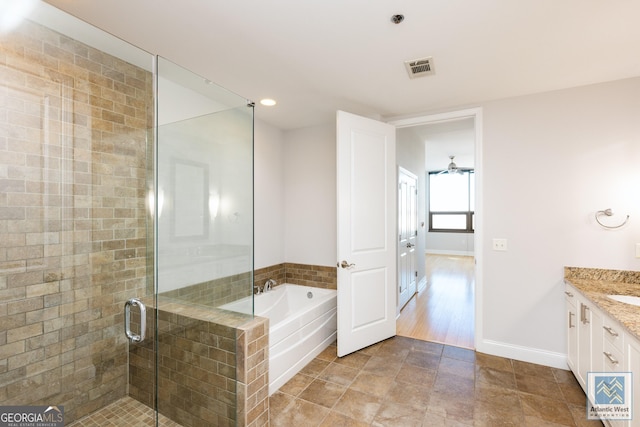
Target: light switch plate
<point>637,250</point>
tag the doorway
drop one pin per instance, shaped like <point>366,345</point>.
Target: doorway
<point>447,306</point>
<point>443,311</point>
<point>408,236</point>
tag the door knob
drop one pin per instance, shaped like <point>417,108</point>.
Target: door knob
<point>345,264</point>
<point>410,245</point>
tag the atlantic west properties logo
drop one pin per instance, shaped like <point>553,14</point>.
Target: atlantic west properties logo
<point>31,416</point>
<point>610,395</point>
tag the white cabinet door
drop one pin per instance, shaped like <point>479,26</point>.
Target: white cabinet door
<point>589,354</point>
<point>597,349</point>
<point>584,343</point>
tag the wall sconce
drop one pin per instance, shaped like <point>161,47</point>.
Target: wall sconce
<point>151,202</point>
<point>160,201</point>
<point>214,205</point>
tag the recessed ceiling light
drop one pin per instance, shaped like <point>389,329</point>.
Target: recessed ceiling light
<point>268,102</point>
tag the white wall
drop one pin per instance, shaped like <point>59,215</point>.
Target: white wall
<point>550,162</point>
<point>449,243</point>
<point>269,187</point>
<point>310,195</point>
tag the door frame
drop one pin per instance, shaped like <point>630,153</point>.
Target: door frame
<point>476,114</point>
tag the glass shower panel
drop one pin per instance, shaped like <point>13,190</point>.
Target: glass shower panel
<point>204,237</point>
<point>75,108</point>
<point>205,190</point>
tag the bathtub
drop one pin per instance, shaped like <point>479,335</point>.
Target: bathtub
<point>302,323</point>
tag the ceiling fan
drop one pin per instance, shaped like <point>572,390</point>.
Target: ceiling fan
<point>453,168</point>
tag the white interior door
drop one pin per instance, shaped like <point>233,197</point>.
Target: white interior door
<point>407,236</point>
<point>366,157</point>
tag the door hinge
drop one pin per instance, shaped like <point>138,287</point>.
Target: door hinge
<point>416,274</point>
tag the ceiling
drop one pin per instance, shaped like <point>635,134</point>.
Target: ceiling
<point>441,140</point>
<point>317,57</point>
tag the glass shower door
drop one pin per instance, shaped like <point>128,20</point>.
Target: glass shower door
<point>106,206</point>
<point>204,243</point>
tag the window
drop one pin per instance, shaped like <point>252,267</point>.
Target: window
<point>451,201</point>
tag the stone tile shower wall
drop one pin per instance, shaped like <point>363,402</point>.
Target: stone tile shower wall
<point>213,366</point>
<point>73,135</point>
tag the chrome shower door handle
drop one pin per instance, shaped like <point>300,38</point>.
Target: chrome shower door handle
<point>127,320</point>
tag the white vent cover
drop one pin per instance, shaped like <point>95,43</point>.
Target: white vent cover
<point>420,67</point>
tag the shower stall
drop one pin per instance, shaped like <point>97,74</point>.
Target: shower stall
<point>126,219</point>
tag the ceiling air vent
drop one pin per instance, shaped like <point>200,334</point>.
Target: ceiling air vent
<point>420,67</point>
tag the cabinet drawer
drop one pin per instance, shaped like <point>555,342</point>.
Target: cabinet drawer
<point>613,359</point>
<point>612,334</point>
<point>570,294</point>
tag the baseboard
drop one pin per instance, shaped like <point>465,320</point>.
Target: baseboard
<point>422,284</point>
<point>446,252</point>
<point>525,354</point>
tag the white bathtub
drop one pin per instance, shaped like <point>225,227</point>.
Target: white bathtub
<point>302,323</point>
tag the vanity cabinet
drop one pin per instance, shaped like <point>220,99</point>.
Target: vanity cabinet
<point>598,343</point>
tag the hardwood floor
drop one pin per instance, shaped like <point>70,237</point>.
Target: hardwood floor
<point>444,311</point>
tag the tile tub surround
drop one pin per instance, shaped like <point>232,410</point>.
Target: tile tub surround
<point>213,365</point>
<point>213,293</point>
<point>299,274</point>
<point>73,134</point>
<point>596,284</point>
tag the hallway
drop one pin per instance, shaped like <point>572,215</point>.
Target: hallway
<point>444,311</point>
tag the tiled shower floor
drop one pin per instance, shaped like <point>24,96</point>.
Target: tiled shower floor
<point>124,412</point>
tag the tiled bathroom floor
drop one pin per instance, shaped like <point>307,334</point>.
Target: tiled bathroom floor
<point>406,382</point>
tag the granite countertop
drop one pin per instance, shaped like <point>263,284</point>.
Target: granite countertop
<point>596,284</point>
